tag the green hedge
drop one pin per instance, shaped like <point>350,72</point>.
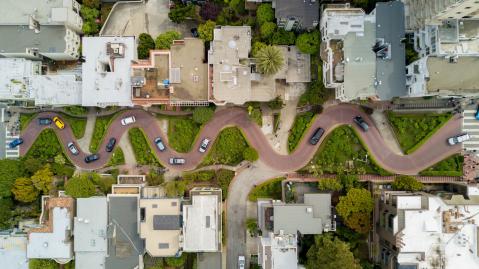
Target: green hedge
<point>101,126</point>
<point>451,166</point>
<point>78,125</point>
<point>228,148</point>
<point>76,110</point>
<point>25,119</point>
<point>144,154</point>
<point>182,133</point>
<point>117,158</point>
<point>268,189</point>
<point>46,147</point>
<point>300,126</point>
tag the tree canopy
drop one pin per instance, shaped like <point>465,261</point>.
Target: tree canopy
<point>42,264</point>
<point>164,40</point>
<point>9,171</point>
<point>283,37</point>
<point>5,213</point>
<point>80,187</point>
<point>24,190</point>
<point>264,13</point>
<point>355,208</point>
<point>202,114</point>
<point>331,253</point>
<point>329,184</point>
<point>145,44</point>
<point>269,60</point>
<point>267,29</point>
<point>308,42</point>
<point>181,13</point>
<point>176,261</point>
<point>42,179</point>
<point>406,183</point>
<point>205,30</point>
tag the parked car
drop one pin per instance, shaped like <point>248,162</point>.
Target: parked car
<point>177,161</point>
<point>111,144</point>
<point>58,122</point>
<point>92,158</point>
<point>458,139</point>
<point>15,143</point>
<point>477,113</point>
<point>128,120</point>
<point>159,144</point>
<point>72,148</point>
<point>316,136</point>
<point>204,145</point>
<point>44,121</point>
<point>241,262</point>
<point>361,123</point>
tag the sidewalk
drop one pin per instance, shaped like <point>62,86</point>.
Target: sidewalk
<point>84,142</point>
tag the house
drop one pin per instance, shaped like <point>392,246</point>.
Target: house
<point>296,14</point>
<point>34,31</point>
<point>364,55</point>
<point>178,76</point>
<point>106,70</point>
<point>91,233</point>
<point>54,239</point>
<point>420,230</point>
<point>278,251</point>
<point>13,250</point>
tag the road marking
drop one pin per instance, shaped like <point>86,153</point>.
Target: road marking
<point>470,125</point>
<point>11,153</point>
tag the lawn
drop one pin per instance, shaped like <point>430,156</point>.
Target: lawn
<point>143,152</point>
<point>412,130</point>
<point>300,125</point>
<point>228,148</point>
<point>117,158</point>
<point>268,189</point>
<point>451,166</point>
<point>101,125</point>
<point>46,147</point>
<point>77,124</point>
<point>342,152</point>
<point>76,110</point>
<point>25,119</point>
<point>182,133</point>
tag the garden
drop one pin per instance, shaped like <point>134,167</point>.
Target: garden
<point>269,189</point>
<point>227,149</point>
<point>413,130</point>
<point>101,126</point>
<point>144,154</point>
<point>182,133</point>
<point>451,166</point>
<point>218,178</point>
<point>300,125</point>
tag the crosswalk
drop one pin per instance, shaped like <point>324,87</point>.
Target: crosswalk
<point>470,125</point>
<point>11,153</point>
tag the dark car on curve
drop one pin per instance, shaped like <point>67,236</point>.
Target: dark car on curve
<point>15,143</point>
<point>92,158</point>
<point>44,121</point>
<point>361,123</point>
<point>111,144</point>
<point>159,144</point>
<point>316,136</point>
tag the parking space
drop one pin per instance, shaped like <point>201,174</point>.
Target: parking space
<point>470,125</point>
<point>11,153</point>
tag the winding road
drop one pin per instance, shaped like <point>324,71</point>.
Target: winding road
<point>431,152</point>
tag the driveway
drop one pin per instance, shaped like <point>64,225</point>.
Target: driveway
<point>433,150</point>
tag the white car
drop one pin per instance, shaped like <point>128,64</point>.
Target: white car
<point>241,262</point>
<point>204,145</point>
<point>458,139</point>
<point>128,120</point>
<point>177,161</point>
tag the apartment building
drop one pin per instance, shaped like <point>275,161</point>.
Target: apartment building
<point>420,230</point>
<point>34,31</point>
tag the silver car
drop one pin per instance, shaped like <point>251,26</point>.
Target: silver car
<point>177,161</point>
<point>458,139</point>
<point>128,120</point>
<point>72,148</point>
<point>204,145</point>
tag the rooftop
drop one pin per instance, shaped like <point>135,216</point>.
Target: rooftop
<point>17,38</point>
<point>337,22</point>
<point>124,243</point>
<point>106,71</point>
<point>452,78</point>
<point>305,10</point>
<point>13,251</point>
<point>160,226</point>
<point>202,222</point>
<point>90,231</point>
<point>278,251</point>
<point>18,12</point>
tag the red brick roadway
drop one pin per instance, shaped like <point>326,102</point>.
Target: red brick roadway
<point>431,152</point>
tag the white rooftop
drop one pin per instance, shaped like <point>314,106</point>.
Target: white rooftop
<point>279,251</point>
<point>201,224</point>
<point>18,12</point>
<point>106,79</point>
<point>339,22</point>
<point>90,231</point>
<point>55,244</point>
<point>13,251</point>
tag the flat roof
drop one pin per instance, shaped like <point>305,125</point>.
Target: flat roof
<point>17,38</point>
<point>280,251</point>
<point>160,225</point>
<point>13,251</point>
<point>106,80</point>
<point>90,231</point>
<point>13,74</point>
<point>201,224</point>
<point>391,73</point>
<point>124,243</point>
<point>292,218</point>
<point>452,78</point>
<point>54,244</point>
<point>18,12</point>
<point>338,22</point>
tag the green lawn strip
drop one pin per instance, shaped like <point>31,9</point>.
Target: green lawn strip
<point>25,119</point>
<point>77,124</point>
<point>256,116</point>
<point>343,152</point>
<point>182,133</point>
<point>117,158</point>
<point>268,189</point>
<point>46,147</point>
<point>300,126</point>
<point>144,154</point>
<point>451,166</point>
<point>76,110</point>
<point>227,149</point>
<point>101,126</point>
<point>413,130</point>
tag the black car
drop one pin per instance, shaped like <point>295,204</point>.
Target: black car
<point>92,158</point>
<point>361,123</point>
<point>44,121</point>
<point>111,144</point>
<point>316,136</point>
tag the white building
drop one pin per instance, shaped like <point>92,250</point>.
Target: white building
<point>106,71</point>
<point>278,251</point>
<point>427,231</point>
<point>32,30</point>
<point>13,251</point>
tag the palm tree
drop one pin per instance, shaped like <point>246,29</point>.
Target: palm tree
<point>269,60</point>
